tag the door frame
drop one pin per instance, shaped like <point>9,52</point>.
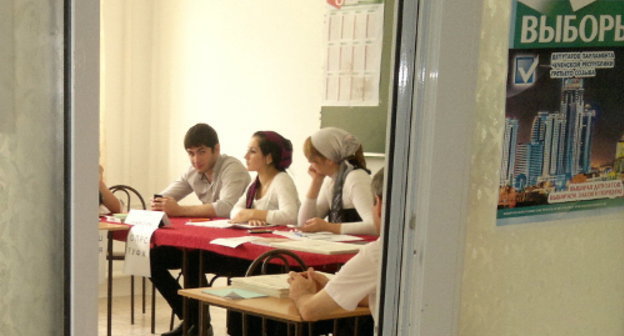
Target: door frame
<point>429,146</point>
<point>433,112</point>
<point>81,54</point>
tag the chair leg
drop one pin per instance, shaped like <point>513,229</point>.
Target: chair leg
<point>143,293</point>
<point>153,309</point>
<point>171,321</point>
<point>132,299</point>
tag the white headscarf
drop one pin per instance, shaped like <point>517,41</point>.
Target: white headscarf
<point>334,143</point>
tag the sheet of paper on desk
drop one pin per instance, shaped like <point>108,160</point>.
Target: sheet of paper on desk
<point>327,236</point>
<point>234,293</point>
<point>318,246</point>
<point>275,285</point>
<point>232,242</point>
<point>219,223</point>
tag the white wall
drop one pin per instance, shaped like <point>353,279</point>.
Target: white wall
<point>238,66</point>
<point>551,278</point>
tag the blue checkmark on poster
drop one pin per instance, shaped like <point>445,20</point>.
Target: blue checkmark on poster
<point>524,71</point>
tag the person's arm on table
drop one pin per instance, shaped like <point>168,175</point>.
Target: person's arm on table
<point>284,192</point>
<point>108,199</point>
<point>311,300</point>
<point>310,205</point>
<point>356,188</point>
<point>171,207</point>
<point>240,214</point>
<point>177,191</point>
<point>251,216</point>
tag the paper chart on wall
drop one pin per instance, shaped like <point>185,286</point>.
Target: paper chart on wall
<point>353,46</point>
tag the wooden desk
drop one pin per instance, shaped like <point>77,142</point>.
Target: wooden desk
<point>268,307</point>
<point>110,228</point>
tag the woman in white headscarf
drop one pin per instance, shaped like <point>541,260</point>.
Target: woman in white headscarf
<point>344,197</point>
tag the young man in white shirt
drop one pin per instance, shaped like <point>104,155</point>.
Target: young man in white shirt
<point>354,285</point>
<point>218,181</point>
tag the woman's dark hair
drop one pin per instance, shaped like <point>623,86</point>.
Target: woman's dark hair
<point>201,135</point>
<point>279,147</point>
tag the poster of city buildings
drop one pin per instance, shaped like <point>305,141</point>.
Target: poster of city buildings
<point>563,145</point>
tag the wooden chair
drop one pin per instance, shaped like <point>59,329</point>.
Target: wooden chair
<point>128,196</point>
<point>261,263</point>
<point>287,261</point>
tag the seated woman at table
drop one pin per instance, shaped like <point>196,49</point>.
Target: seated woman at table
<point>272,197</point>
<point>344,196</point>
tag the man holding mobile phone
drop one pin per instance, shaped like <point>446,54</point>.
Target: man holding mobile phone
<point>218,180</point>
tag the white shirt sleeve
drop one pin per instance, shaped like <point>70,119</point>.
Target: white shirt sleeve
<point>357,279</point>
<point>281,201</point>
<point>234,177</point>
<point>357,194</point>
<point>180,188</point>
<point>284,193</point>
<point>318,207</point>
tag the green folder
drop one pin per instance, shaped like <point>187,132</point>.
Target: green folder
<point>234,293</point>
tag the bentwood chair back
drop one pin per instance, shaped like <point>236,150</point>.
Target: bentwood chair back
<point>289,259</point>
<point>272,262</point>
<point>132,199</point>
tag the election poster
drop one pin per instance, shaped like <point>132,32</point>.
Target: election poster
<point>563,144</point>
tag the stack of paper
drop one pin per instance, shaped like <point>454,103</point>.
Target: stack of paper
<point>323,235</point>
<point>233,293</point>
<point>318,246</point>
<point>275,285</point>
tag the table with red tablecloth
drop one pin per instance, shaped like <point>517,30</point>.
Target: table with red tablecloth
<point>179,234</point>
<point>193,237</point>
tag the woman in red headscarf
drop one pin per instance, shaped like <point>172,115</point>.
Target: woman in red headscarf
<point>272,198</point>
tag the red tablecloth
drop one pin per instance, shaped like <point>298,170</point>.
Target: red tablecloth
<point>196,237</point>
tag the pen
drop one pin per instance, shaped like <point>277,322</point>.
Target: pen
<point>198,219</point>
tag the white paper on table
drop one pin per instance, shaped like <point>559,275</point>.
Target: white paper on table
<point>324,235</point>
<point>233,242</point>
<point>219,223</point>
<point>137,260</point>
<point>147,217</point>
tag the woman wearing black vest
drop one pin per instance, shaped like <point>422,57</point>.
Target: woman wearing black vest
<point>340,187</point>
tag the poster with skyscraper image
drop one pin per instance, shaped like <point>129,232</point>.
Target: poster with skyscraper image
<point>563,146</point>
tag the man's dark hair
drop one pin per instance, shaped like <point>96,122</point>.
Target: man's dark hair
<point>201,135</point>
<point>377,183</point>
